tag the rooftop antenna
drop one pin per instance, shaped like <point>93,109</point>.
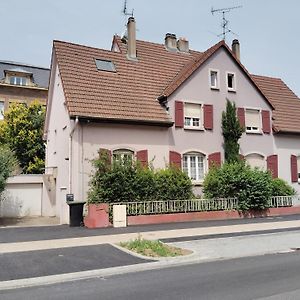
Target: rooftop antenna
<point>225,22</point>
<point>125,11</point>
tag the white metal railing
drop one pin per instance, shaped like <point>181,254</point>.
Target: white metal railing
<point>193,205</point>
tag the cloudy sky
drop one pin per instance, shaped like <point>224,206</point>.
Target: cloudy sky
<point>268,30</point>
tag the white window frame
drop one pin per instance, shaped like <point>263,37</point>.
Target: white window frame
<point>23,80</point>
<point>201,119</point>
<point>233,88</point>
<point>251,130</point>
<point>122,152</point>
<point>188,170</point>
<point>2,110</point>
<point>217,86</point>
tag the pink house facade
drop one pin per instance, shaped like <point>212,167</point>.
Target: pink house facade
<point>160,103</point>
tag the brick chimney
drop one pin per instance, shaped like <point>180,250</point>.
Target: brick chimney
<point>131,42</point>
<point>183,45</point>
<point>170,42</point>
<point>236,49</point>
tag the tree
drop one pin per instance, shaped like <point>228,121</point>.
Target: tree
<point>8,163</point>
<point>232,131</point>
<point>22,131</point>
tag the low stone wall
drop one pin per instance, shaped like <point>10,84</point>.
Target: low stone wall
<point>22,196</point>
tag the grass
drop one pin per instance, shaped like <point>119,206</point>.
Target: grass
<point>153,248</point>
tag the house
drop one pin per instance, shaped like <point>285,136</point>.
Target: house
<point>22,83</point>
<point>160,103</point>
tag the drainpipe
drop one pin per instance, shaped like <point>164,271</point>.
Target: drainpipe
<point>70,154</point>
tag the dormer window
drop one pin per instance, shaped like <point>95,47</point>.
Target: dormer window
<point>18,80</point>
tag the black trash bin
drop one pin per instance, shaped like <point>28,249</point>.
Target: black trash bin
<point>76,213</point>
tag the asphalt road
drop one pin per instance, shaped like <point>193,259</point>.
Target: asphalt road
<point>23,234</point>
<point>269,277</point>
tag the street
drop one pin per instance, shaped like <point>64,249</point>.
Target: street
<point>268,277</point>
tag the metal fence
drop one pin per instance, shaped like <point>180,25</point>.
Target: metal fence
<point>194,205</point>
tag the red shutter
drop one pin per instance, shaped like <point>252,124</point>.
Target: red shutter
<point>294,168</point>
<point>214,159</point>
<point>175,159</point>
<point>272,165</point>
<point>266,124</point>
<point>208,116</point>
<point>105,153</point>
<point>241,115</point>
<point>142,157</point>
<point>179,114</point>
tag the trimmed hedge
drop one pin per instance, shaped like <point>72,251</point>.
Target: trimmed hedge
<point>130,182</point>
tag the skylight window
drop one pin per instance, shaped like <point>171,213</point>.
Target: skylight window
<point>105,65</point>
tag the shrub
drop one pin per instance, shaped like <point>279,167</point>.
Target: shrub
<point>129,182</point>
<point>281,188</point>
<point>252,187</point>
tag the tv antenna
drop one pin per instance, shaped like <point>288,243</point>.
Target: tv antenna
<point>225,22</point>
<point>125,11</point>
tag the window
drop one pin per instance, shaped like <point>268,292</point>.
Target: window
<point>192,116</point>
<point>17,80</point>
<point>105,65</point>
<point>1,110</point>
<point>230,80</point>
<point>122,156</point>
<point>252,120</point>
<point>298,167</point>
<point>194,165</point>
<point>256,160</point>
<point>214,79</point>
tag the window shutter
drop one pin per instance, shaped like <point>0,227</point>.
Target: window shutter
<point>294,168</point>
<point>179,114</point>
<point>175,159</point>
<point>214,159</point>
<point>208,116</point>
<point>241,115</point>
<point>142,157</point>
<point>272,165</point>
<point>266,125</point>
<point>105,153</point>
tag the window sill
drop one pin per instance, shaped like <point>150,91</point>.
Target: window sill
<point>214,88</point>
<point>197,182</point>
<point>231,90</point>
<point>194,128</point>
<point>254,132</point>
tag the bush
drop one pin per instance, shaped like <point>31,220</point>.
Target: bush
<point>281,188</point>
<point>129,182</point>
<point>252,187</point>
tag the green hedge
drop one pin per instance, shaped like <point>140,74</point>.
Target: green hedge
<point>130,182</point>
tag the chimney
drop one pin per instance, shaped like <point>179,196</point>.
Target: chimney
<point>183,45</point>
<point>236,49</point>
<point>131,42</point>
<point>170,42</point>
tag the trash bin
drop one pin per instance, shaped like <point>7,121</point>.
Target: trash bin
<point>76,213</point>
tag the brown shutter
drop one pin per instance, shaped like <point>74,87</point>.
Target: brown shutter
<point>214,159</point>
<point>142,157</point>
<point>241,115</point>
<point>294,168</point>
<point>179,114</point>
<point>272,165</point>
<point>175,159</point>
<point>208,116</point>
<point>266,124</point>
<point>105,154</point>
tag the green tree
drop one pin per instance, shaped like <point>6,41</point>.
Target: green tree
<point>22,131</point>
<point>8,163</point>
<point>232,131</point>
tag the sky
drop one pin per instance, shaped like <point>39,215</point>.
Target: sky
<point>268,30</point>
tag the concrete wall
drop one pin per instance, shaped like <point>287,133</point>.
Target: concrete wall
<point>22,196</point>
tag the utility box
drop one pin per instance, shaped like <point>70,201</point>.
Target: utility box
<point>119,216</point>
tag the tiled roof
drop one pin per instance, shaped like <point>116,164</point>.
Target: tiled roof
<point>40,75</point>
<point>287,105</point>
<point>130,93</point>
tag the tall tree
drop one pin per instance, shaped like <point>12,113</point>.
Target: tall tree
<point>232,132</point>
<point>22,131</point>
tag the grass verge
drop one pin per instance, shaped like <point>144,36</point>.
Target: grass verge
<point>153,248</point>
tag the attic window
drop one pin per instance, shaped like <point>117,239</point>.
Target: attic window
<point>105,65</point>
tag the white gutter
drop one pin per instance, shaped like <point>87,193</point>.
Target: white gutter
<point>70,154</point>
